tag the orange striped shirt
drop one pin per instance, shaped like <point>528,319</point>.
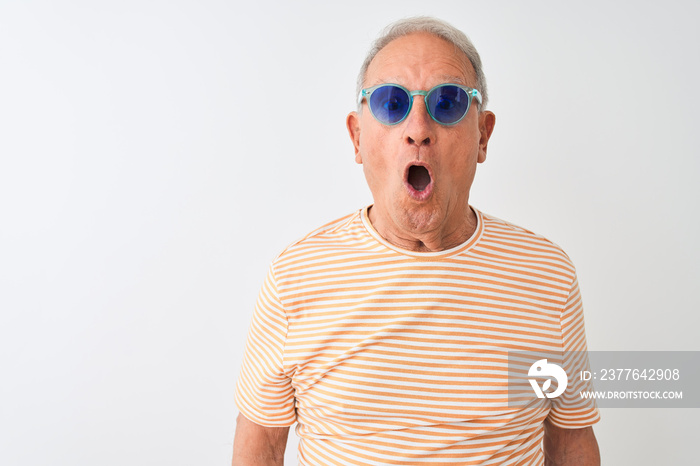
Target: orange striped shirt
<point>392,357</point>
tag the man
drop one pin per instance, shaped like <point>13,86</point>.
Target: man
<point>385,334</point>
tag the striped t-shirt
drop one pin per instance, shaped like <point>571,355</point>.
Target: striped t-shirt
<point>386,356</point>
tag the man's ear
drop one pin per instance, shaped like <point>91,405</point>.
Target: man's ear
<point>353,124</point>
<point>487,120</point>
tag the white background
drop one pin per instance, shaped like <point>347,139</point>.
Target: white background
<point>157,155</point>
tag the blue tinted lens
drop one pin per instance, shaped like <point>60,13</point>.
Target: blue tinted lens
<point>389,104</point>
<point>447,104</point>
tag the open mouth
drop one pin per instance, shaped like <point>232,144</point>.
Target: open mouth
<point>418,177</point>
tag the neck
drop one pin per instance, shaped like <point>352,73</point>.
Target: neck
<point>439,239</point>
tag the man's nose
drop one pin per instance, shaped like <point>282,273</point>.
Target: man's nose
<point>419,125</point>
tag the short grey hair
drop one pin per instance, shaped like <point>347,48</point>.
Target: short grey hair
<point>436,27</point>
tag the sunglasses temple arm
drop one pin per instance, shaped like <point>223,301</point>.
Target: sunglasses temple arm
<point>477,95</point>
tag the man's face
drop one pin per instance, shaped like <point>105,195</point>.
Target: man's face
<point>420,171</point>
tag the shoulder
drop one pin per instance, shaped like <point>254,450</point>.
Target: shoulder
<point>333,235</point>
<point>513,240</point>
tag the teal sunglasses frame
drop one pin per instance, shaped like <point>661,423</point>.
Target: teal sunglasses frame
<point>471,93</point>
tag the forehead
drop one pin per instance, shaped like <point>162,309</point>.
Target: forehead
<point>419,60</point>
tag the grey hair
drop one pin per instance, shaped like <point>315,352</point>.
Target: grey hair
<point>436,27</point>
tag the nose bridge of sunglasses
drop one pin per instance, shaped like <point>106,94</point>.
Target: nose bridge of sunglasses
<point>421,93</point>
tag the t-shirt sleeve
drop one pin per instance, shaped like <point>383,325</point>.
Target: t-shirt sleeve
<point>264,393</point>
<point>570,410</point>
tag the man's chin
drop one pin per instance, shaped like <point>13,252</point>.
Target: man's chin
<point>420,218</point>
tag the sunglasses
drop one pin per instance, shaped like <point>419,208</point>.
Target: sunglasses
<point>447,104</point>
